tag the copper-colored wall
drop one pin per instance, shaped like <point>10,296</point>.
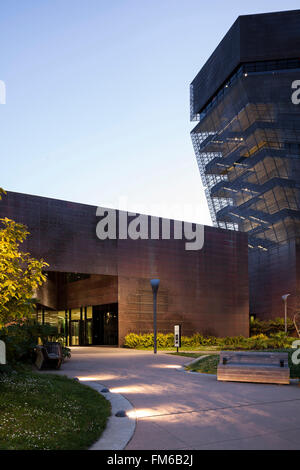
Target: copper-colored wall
<point>47,294</point>
<point>272,275</point>
<point>97,290</point>
<point>206,290</point>
<point>298,268</point>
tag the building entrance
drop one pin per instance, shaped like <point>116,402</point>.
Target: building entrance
<point>85,326</point>
<point>105,325</point>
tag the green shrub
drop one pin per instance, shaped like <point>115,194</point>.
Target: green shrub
<point>134,341</point>
<point>257,342</point>
<point>280,340</point>
<point>21,339</point>
<point>269,327</point>
<point>6,369</point>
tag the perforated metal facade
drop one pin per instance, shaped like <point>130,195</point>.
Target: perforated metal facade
<point>247,141</point>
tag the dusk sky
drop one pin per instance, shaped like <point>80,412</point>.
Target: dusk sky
<point>97,106</point>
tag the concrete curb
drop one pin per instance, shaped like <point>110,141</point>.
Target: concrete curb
<point>118,431</point>
<point>182,368</point>
<point>196,373</point>
<point>196,360</point>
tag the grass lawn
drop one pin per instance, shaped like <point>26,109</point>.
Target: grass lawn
<point>209,364</point>
<point>49,412</point>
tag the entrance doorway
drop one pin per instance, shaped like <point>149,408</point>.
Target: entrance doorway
<point>85,326</point>
<point>105,325</point>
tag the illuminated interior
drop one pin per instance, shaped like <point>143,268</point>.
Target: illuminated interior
<point>247,145</point>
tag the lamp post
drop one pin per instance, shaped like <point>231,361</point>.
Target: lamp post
<point>155,285</point>
<point>284,298</point>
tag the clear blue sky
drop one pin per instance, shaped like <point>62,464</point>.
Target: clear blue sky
<point>98,98</point>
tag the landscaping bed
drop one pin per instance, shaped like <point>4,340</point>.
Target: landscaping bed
<point>192,354</point>
<point>49,412</point>
<point>209,364</point>
<point>274,339</point>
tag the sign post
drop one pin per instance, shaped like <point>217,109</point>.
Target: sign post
<point>155,285</point>
<point>284,298</point>
<point>177,336</point>
<point>2,352</point>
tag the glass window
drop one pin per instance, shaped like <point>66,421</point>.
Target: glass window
<point>89,312</point>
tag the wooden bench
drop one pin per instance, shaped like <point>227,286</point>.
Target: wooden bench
<point>260,367</point>
<point>49,355</point>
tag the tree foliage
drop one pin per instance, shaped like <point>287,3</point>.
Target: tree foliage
<point>20,274</point>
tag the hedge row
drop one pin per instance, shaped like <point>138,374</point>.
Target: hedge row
<point>274,341</point>
<point>258,327</point>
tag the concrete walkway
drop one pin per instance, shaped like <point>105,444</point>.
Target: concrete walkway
<point>184,411</point>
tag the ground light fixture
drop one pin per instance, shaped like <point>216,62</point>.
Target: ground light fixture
<point>155,285</point>
<point>284,298</point>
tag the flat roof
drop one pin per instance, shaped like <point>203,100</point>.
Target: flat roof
<point>265,36</point>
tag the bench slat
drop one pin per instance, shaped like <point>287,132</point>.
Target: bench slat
<point>254,367</point>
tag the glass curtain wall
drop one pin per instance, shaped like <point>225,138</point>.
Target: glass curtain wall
<point>84,326</point>
<point>247,145</point>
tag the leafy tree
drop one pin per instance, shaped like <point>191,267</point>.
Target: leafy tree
<point>1,192</point>
<point>20,274</point>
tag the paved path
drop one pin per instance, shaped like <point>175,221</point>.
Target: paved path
<point>183,411</point>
